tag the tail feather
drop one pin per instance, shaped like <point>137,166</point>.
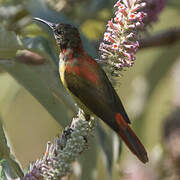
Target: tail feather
<point>131,140</point>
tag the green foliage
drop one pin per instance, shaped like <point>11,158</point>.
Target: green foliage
<point>6,171</point>
<point>8,166</point>
<point>9,45</point>
<point>36,79</point>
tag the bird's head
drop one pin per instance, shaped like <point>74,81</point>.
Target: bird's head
<point>66,35</point>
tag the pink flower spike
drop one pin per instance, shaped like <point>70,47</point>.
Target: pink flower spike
<point>121,35</point>
<point>111,39</point>
<point>109,29</point>
<point>135,8</point>
<point>132,63</point>
<point>128,63</point>
<point>119,65</point>
<point>112,25</point>
<point>127,3</point>
<point>115,46</point>
<point>140,16</point>
<point>128,46</point>
<point>131,26</point>
<point>130,56</point>
<point>140,25</point>
<point>131,35</point>
<point>118,19</point>
<point>136,44</point>
<point>118,3</point>
<point>132,17</point>
<point>122,7</point>
<point>138,6</point>
<point>106,36</point>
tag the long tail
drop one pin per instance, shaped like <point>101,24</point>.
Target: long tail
<point>130,138</point>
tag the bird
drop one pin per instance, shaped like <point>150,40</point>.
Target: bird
<point>86,81</point>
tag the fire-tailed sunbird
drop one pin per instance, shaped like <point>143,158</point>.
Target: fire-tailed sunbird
<point>88,84</point>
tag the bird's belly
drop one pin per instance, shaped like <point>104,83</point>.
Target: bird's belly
<point>61,72</point>
<point>76,99</point>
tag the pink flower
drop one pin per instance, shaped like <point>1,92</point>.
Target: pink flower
<point>138,6</point>
<point>106,36</point>
<point>131,35</point>
<point>122,9</point>
<point>118,18</point>
<point>120,39</point>
<point>132,17</point>
<point>115,46</point>
<point>118,3</point>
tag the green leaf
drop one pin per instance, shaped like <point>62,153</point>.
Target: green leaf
<point>41,44</point>
<point>2,173</point>
<point>106,145</point>
<point>90,156</point>
<point>3,143</point>
<point>36,69</point>
<point>9,166</point>
<point>6,171</point>
<point>9,43</point>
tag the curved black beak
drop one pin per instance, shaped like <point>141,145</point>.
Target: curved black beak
<point>51,25</point>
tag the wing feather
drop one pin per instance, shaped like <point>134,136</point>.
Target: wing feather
<point>89,83</point>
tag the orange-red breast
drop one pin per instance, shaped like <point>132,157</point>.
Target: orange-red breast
<point>90,87</point>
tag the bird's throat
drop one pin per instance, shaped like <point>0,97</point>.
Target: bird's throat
<point>62,67</point>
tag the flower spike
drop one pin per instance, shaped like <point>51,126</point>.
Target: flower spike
<point>120,39</point>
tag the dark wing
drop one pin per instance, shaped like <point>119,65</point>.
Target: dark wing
<point>91,85</point>
<point>88,82</point>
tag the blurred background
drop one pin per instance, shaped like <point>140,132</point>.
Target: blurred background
<point>34,107</point>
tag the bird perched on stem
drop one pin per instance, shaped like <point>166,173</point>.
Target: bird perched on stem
<point>88,84</point>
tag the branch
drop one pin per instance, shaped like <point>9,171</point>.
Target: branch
<point>167,37</point>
